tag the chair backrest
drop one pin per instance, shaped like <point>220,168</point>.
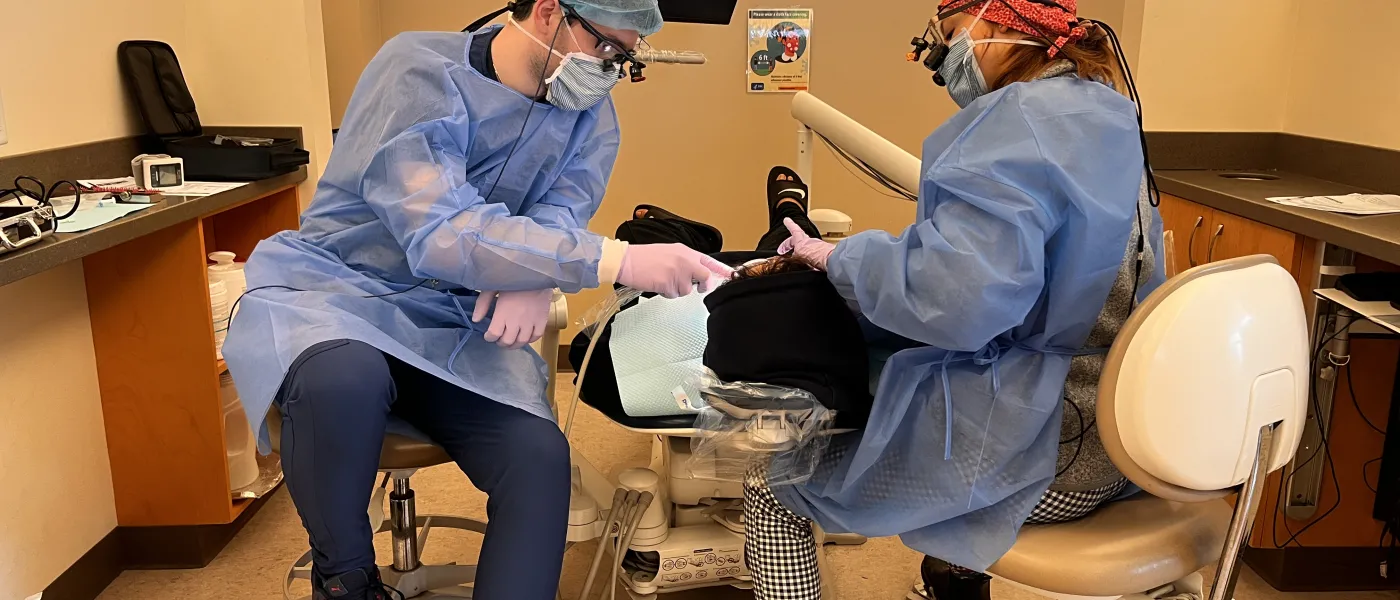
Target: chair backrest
<point>1208,359</point>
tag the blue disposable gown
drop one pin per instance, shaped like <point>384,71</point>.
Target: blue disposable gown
<point>411,193</point>
<point>1027,203</point>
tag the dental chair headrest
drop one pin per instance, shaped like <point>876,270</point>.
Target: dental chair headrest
<point>792,330</point>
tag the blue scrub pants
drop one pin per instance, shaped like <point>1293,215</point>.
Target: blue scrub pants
<point>335,402</point>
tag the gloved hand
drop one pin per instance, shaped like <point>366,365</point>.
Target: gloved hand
<point>801,245</point>
<point>520,316</point>
<point>671,270</point>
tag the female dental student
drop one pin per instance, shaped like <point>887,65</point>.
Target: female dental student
<point>1036,234</point>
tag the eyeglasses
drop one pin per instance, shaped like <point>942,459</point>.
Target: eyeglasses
<point>613,52</point>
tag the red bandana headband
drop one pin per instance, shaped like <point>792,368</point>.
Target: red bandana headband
<point>1031,18</point>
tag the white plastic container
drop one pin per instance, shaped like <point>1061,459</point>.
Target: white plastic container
<point>218,304</point>
<point>229,272</point>
<point>238,437</point>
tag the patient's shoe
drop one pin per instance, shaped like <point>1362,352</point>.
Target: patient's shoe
<point>784,184</point>
<point>360,584</point>
<point>942,581</point>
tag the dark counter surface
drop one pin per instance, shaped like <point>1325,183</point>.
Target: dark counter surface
<point>1377,236</point>
<point>65,247</point>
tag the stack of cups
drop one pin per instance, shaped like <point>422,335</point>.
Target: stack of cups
<point>228,274</point>
<point>238,437</point>
<point>219,303</point>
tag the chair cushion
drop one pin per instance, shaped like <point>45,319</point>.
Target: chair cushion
<point>400,452</point>
<point>1125,547</point>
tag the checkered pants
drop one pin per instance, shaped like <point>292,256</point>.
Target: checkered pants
<point>781,550</point>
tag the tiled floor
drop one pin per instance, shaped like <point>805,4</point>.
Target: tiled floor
<point>254,563</point>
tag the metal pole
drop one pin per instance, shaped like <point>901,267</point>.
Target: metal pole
<point>805,154</point>
<point>405,524</point>
<point>1242,522</point>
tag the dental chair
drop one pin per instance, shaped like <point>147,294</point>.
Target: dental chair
<point>691,534</point>
<point>1202,396</point>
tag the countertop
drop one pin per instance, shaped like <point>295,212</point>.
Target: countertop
<point>1377,236</point>
<point>65,247</point>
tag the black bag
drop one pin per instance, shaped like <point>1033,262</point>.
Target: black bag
<point>158,86</point>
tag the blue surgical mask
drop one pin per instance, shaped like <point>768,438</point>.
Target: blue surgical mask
<point>960,70</point>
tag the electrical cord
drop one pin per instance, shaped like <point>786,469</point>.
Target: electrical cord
<point>234,308</point>
<point>1351,391</point>
<point>869,171</point>
<point>41,194</point>
<point>539,90</point>
<point>1374,488</point>
<point>1325,448</point>
<point>1079,437</point>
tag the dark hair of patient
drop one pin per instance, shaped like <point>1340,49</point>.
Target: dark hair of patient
<point>773,266</point>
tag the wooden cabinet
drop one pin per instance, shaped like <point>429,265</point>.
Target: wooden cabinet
<point>153,333</point>
<point>1205,235</point>
<point>1186,220</point>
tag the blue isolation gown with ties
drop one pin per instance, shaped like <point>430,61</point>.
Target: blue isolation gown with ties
<point>414,216</point>
<point>1026,207</point>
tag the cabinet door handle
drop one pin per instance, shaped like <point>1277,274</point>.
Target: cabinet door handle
<point>1191,242</point>
<point>1210,251</point>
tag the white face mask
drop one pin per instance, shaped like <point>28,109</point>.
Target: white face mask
<point>581,82</point>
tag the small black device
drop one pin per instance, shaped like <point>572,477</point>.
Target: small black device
<point>707,12</point>
<point>1371,287</point>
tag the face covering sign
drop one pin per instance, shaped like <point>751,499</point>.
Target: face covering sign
<point>780,50</point>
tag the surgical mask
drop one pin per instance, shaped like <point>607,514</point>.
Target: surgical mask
<point>581,82</point>
<point>960,69</point>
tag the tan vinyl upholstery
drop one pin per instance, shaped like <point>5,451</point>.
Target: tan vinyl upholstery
<point>1133,545</point>
<point>398,454</point>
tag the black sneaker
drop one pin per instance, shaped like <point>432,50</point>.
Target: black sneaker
<point>360,584</point>
<point>943,581</point>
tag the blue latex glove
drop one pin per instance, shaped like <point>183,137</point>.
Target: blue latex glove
<point>520,317</point>
<point>801,245</point>
<point>672,270</point>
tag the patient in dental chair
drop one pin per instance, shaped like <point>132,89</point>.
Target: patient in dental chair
<point>778,321</point>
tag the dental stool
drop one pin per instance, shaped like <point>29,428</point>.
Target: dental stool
<point>1202,396</point>
<point>399,459</point>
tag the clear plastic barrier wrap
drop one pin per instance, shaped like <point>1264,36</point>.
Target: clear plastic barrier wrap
<point>746,425</point>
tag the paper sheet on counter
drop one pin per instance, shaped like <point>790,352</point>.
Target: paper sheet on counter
<point>1351,204</point>
<point>191,188</point>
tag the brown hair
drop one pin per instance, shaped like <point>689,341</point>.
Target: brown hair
<point>1092,55</point>
<point>773,266</point>
<point>522,9</point>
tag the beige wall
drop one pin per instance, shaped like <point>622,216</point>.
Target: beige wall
<point>353,36</point>
<point>261,64</point>
<point>1213,65</point>
<point>53,450</point>
<point>696,142</point>
<point>1344,85</point>
<point>33,68</point>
